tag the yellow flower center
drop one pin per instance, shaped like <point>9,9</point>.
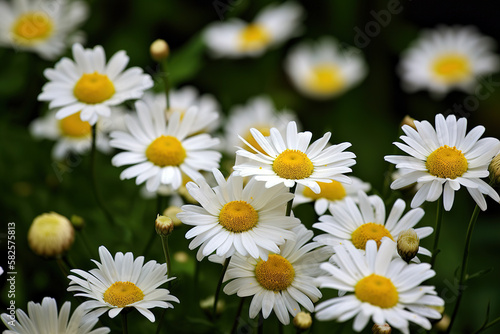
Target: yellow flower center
<point>369,231</point>
<point>32,27</point>
<point>73,126</point>
<point>332,191</point>
<point>238,216</point>
<point>377,290</point>
<point>121,294</point>
<point>326,79</point>
<point>93,88</point>
<point>451,68</point>
<point>254,37</point>
<point>447,162</point>
<point>293,164</point>
<point>275,274</point>
<point>251,140</point>
<point>166,151</point>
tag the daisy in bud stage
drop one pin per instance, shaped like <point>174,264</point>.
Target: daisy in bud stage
<point>236,218</point>
<point>280,282</point>
<point>448,58</point>
<point>45,319</point>
<point>272,26</point>
<point>325,69</point>
<point>443,159</point>
<point>42,26</point>
<point>162,152</point>
<point>295,161</point>
<point>123,282</point>
<point>90,86</point>
<point>379,287</point>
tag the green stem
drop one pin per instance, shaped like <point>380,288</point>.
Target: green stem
<point>62,266</point>
<point>488,325</point>
<point>159,200</point>
<point>463,268</point>
<point>219,285</point>
<point>439,219</point>
<point>124,322</point>
<point>260,328</point>
<point>238,314</point>
<point>290,202</point>
<point>68,261</point>
<point>86,243</point>
<point>160,322</point>
<point>164,76</point>
<point>164,243</point>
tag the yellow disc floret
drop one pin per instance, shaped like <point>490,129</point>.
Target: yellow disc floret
<point>452,68</point>
<point>93,88</point>
<point>238,216</point>
<point>275,274</point>
<point>293,165</point>
<point>325,79</point>
<point>447,162</point>
<point>332,191</point>
<point>121,294</point>
<point>254,37</point>
<point>377,290</point>
<point>166,151</point>
<point>73,126</point>
<point>369,231</point>
<point>31,28</point>
<point>251,140</point>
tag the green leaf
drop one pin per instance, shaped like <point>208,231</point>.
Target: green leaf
<point>479,274</point>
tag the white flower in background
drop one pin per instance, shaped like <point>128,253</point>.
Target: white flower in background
<point>123,282</point>
<point>272,26</point>
<point>44,318</point>
<point>295,161</point>
<point>259,113</point>
<point>236,218</point>
<point>282,281</point>
<point>448,58</point>
<point>90,86</point>
<point>161,152</point>
<point>330,193</point>
<point>42,26</point>
<point>324,69</point>
<point>443,159</point>
<point>379,288</point>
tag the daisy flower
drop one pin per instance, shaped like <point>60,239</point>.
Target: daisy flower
<point>445,158</point>
<point>90,86</point>
<point>448,58</point>
<point>259,113</point>
<point>272,26</point>
<point>43,26</point>
<point>357,223</point>
<point>280,282</point>
<point>161,152</point>
<point>45,319</point>
<point>295,161</point>
<point>378,287</point>
<point>325,69</point>
<point>247,219</point>
<point>123,282</point>
<point>330,193</point>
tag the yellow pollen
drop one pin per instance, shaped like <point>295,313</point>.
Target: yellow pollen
<point>93,88</point>
<point>377,290</point>
<point>275,274</point>
<point>293,165</point>
<point>31,28</point>
<point>369,231</point>
<point>121,294</point>
<point>332,191</point>
<point>166,151</point>
<point>447,162</point>
<point>326,79</point>
<point>73,126</point>
<point>254,37</point>
<point>251,140</point>
<point>451,68</point>
<point>238,216</point>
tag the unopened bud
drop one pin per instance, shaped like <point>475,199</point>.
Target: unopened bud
<point>171,212</point>
<point>494,169</point>
<point>77,222</point>
<point>407,244</point>
<point>164,225</point>
<point>381,329</point>
<point>443,324</point>
<point>159,50</point>
<point>302,321</point>
<point>410,121</point>
<point>50,235</point>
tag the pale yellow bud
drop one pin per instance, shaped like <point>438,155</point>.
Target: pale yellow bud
<point>171,212</point>
<point>163,225</point>
<point>494,169</point>
<point>443,324</point>
<point>50,235</point>
<point>410,121</point>
<point>159,50</point>
<point>381,329</point>
<point>207,304</point>
<point>407,244</point>
<point>302,320</point>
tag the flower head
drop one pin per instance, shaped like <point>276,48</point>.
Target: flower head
<point>50,234</point>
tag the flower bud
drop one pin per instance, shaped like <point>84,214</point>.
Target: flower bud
<point>443,324</point>
<point>407,244</point>
<point>494,169</point>
<point>171,212</point>
<point>410,121</point>
<point>163,225</point>
<point>50,235</point>
<point>381,329</point>
<point>159,50</point>
<point>77,222</point>
<point>302,321</point>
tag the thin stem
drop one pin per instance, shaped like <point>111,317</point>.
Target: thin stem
<point>238,314</point>
<point>439,219</point>
<point>159,200</point>
<point>488,325</point>
<point>463,268</point>
<point>260,328</point>
<point>68,261</point>
<point>62,266</point>
<point>85,242</point>
<point>290,202</point>
<point>124,322</point>
<point>219,285</point>
<point>164,76</point>
<point>160,322</point>
<point>164,243</point>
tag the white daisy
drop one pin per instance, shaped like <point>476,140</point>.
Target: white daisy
<point>272,26</point>
<point>357,223</point>
<point>330,193</point>
<point>382,288</point>
<point>89,86</point>
<point>260,113</point>
<point>159,152</point>
<point>295,162</point>
<point>45,319</point>
<point>246,219</point>
<point>282,281</point>
<point>41,26</point>
<point>448,58</point>
<point>444,159</point>
<point>325,69</point>
<point>123,282</point>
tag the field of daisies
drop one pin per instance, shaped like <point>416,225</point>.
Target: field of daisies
<point>239,166</point>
